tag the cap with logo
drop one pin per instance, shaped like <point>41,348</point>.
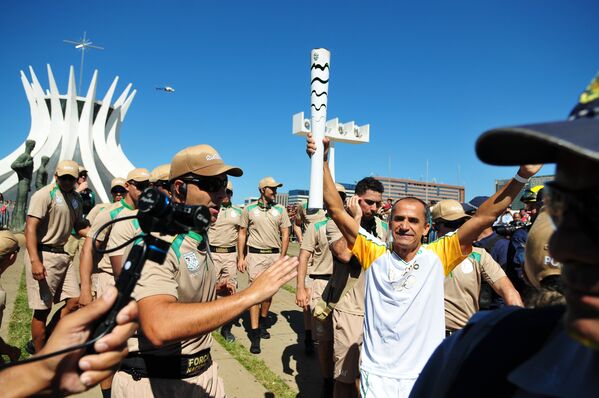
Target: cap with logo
<point>67,167</point>
<point>117,182</point>
<point>139,175</point>
<point>8,243</point>
<point>448,210</point>
<point>538,263</point>
<point>202,160</point>
<point>269,182</point>
<point>160,173</point>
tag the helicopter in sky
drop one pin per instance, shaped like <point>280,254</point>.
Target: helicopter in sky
<point>167,89</point>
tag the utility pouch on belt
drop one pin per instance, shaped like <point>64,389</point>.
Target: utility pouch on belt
<point>345,276</point>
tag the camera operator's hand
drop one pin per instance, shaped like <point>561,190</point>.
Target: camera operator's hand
<point>269,282</point>
<point>529,170</point>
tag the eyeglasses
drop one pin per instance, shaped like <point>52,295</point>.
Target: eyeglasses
<point>584,204</point>
<point>208,184</point>
<point>141,185</point>
<point>371,202</point>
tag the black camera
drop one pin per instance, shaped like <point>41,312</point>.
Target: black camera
<point>509,229</point>
<point>157,213</point>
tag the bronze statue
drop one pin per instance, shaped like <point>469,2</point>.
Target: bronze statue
<point>23,166</point>
<point>41,177</point>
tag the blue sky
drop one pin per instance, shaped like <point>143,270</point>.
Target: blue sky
<point>429,77</point>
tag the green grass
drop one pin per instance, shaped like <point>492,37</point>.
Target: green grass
<point>270,380</point>
<point>19,328</point>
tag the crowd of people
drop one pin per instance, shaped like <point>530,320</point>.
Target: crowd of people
<point>391,290</point>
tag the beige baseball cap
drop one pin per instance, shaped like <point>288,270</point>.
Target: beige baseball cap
<point>8,243</point>
<point>229,186</point>
<point>139,175</point>
<point>160,173</point>
<point>67,167</point>
<point>117,182</point>
<point>202,160</point>
<point>538,263</point>
<point>448,210</point>
<point>269,182</point>
<point>340,188</point>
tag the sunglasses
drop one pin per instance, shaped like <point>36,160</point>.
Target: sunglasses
<point>162,184</point>
<point>583,204</point>
<point>141,185</point>
<point>121,192</point>
<point>208,184</point>
<point>371,202</point>
<point>449,224</point>
<point>67,177</point>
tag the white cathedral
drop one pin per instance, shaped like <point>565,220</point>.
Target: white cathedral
<point>68,126</point>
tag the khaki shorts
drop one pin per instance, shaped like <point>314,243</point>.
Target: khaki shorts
<point>207,384</point>
<point>348,330</point>
<point>60,283</point>
<point>257,263</point>
<point>322,330</point>
<point>103,281</point>
<point>226,266</point>
<point>74,246</point>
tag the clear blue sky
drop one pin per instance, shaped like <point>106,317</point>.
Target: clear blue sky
<point>428,77</point>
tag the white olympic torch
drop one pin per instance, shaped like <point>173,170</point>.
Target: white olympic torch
<point>319,86</point>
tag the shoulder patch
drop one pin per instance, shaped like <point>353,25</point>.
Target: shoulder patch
<point>192,262</point>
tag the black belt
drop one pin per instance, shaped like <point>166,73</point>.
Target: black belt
<point>167,367</point>
<point>216,249</point>
<point>320,277</point>
<point>51,249</point>
<point>272,250</point>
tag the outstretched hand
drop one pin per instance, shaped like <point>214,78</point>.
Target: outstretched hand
<point>311,146</point>
<point>270,281</point>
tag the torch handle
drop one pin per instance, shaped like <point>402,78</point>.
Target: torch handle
<point>319,86</point>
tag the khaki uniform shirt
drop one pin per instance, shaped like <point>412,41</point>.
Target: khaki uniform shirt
<point>224,232</point>
<point>353,301</point>
<point>123,231</point>
<point>59,212</point>
<point>264,225</point>
<point>93,213</point>
<point>188,275</point>
<point>115,210</point>
<point>308,219</point>
<point>462,286</point>
<point>315,241</point>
